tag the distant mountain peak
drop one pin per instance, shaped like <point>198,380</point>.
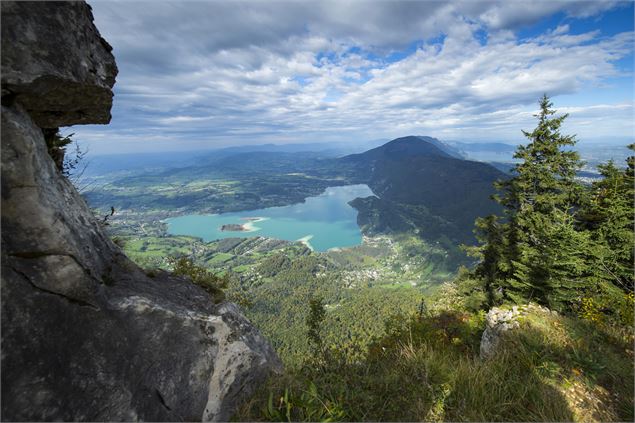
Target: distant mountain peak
<point>413,145</point>
<point>410,146</point>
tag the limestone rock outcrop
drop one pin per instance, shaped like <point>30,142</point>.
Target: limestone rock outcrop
<point>86,334</point>
<point>500,320</point>
<point>497,322</point>
<point>57,66</point>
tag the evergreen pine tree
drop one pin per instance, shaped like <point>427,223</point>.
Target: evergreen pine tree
<point>609,214</point>
<point>543,259</point>
<point>490,233</point>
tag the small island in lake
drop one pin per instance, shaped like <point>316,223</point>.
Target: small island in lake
<point>246,227</point>
<point>233,227</point>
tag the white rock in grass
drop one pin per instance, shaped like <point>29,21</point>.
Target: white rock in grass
<point>497,322</point>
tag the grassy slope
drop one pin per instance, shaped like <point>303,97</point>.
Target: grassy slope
<point>553,368</point>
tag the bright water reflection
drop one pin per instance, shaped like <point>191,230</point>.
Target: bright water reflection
<point>325,221</point>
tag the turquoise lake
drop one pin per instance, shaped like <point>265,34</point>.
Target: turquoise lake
<point>322,222</point>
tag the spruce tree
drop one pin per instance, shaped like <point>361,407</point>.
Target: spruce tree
<point>543,259</point>
<point>490,233</point>
<point>608,214</point>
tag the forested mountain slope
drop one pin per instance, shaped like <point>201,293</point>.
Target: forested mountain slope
<point>449,192</point>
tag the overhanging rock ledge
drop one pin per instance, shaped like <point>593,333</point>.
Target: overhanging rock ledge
<point>86,334</point>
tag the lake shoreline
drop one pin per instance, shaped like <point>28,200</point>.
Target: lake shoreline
<point>320,223</point>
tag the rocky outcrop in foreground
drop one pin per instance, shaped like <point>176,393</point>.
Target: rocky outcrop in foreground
<point>86,334</point>
<point>500,320</point>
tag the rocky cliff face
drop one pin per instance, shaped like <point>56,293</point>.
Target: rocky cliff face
<point>86,335</point>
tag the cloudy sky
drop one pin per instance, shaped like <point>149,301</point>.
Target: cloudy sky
<point>200,74</point>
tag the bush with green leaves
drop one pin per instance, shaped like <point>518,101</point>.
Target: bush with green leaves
<point>56,145</point>
<point>209,281</point>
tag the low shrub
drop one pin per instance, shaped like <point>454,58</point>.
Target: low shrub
<point>209,281</point>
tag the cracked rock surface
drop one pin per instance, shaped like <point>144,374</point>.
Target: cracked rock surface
<point>86,335</point>
<point>56,63</point>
